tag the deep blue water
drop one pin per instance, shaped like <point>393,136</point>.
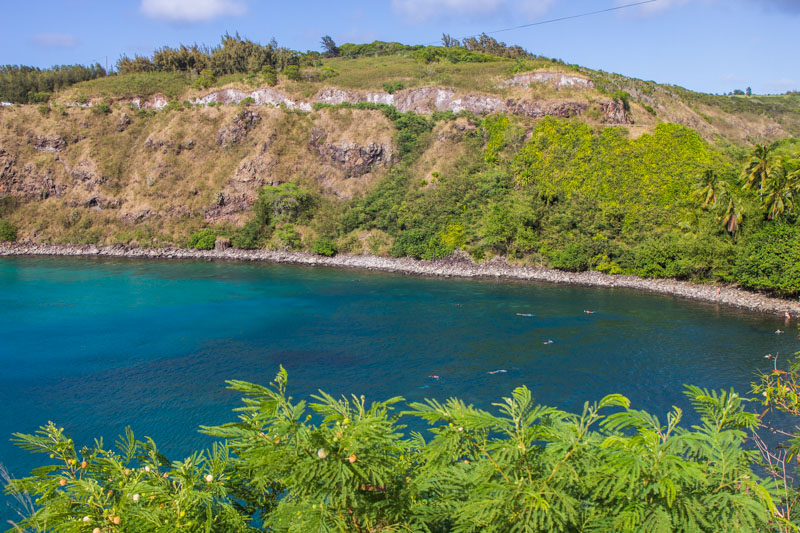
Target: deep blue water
<point>98,344</point>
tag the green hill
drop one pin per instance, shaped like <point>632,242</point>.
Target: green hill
<point>411,150</point>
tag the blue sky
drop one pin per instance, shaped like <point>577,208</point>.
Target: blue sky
<point>705,45</point>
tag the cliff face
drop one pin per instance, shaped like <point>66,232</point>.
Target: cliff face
<point>76,173</point>
<point>423,100</point>
<point>203,164</point>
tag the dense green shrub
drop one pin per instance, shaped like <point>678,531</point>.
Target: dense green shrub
<point>270,75</point>
<point>288,237</point>
<point>375,48</point>
<point>292,72</point>
<point>348,465</point>
<point>770,259</point>
<point>325,246</point>
<point>204,80</point>
<point>662,258</point>
<point>249,236</point>
<point>392,87</point>
<point>287,202</point>
<point>43,110</point>
<point>7,231</point>
<point>101,109</point>
<point>327,73</point>
<point>203,240</point>
<point>431,54</point>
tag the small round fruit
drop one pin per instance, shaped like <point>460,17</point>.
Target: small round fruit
<point>209,478</point>
<point>352,458</point>
<point>84,464</point>
<point>62,482</point>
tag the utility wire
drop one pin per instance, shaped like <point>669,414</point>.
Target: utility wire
<point>560,19</point>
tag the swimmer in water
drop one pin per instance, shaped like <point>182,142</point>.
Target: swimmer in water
<point>778,332</point>
<point>589,312</point>
<point>497,372</point>
<point>548,342</point>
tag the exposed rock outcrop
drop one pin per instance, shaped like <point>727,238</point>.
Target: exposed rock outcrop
<point>238,128</point>
<point>556,79</point>
<point>88,182</point>
<point>262,96</point>
<point>49,143</point>
<point>430,99</point>
<point>123,122</point>
<point>354,159</point>
<point>26,184</point>
<point>534,109</point>
<point>241,191</point>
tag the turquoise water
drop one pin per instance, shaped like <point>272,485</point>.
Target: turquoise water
<point>98,344</point>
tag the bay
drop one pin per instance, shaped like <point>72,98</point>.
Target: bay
<point>98,344</point>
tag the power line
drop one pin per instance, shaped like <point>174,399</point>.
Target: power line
<point>560,19</point>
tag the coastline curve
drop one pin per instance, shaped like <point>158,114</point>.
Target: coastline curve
<point>458,265</point>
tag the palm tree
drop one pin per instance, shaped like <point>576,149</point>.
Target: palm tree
<point>731,216</point>
<point>708,187</point>
<point>781,188</point>
<point>758,168</point>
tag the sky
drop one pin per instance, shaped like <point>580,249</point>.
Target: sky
<point>705,45</point>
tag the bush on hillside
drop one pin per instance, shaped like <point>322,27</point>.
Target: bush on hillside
<point>287,202</point>
<point>270,75</point>
<point>325,246</point>
<point>7,231</point>
<point>292,72</point>
<point>770,260</point>
<point>288,237</point>
<point>392,87</point>
<point>203,240</point>
<point>101,109</point>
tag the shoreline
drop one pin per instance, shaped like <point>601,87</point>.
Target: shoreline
<point>455,266</point>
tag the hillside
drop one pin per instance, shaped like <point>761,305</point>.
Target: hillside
<point>418,155</point>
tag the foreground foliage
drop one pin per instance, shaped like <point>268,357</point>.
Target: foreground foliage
<point>345,465</point>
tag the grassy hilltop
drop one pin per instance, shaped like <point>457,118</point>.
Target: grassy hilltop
<point>415,151</point>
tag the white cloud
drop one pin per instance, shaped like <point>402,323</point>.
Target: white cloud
<point>191,10</point>
<point>55,40</point>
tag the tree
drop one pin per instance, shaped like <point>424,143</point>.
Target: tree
<point>757,169</point>
<point>781,188</point>
<point>732,212</point>
<point>449,42</point>
<point>331,50</point>
<point>708,188</point>
<point>342,464</point>
<point>748,91</point>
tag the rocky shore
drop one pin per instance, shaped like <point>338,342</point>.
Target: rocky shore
<point>457,265</point>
